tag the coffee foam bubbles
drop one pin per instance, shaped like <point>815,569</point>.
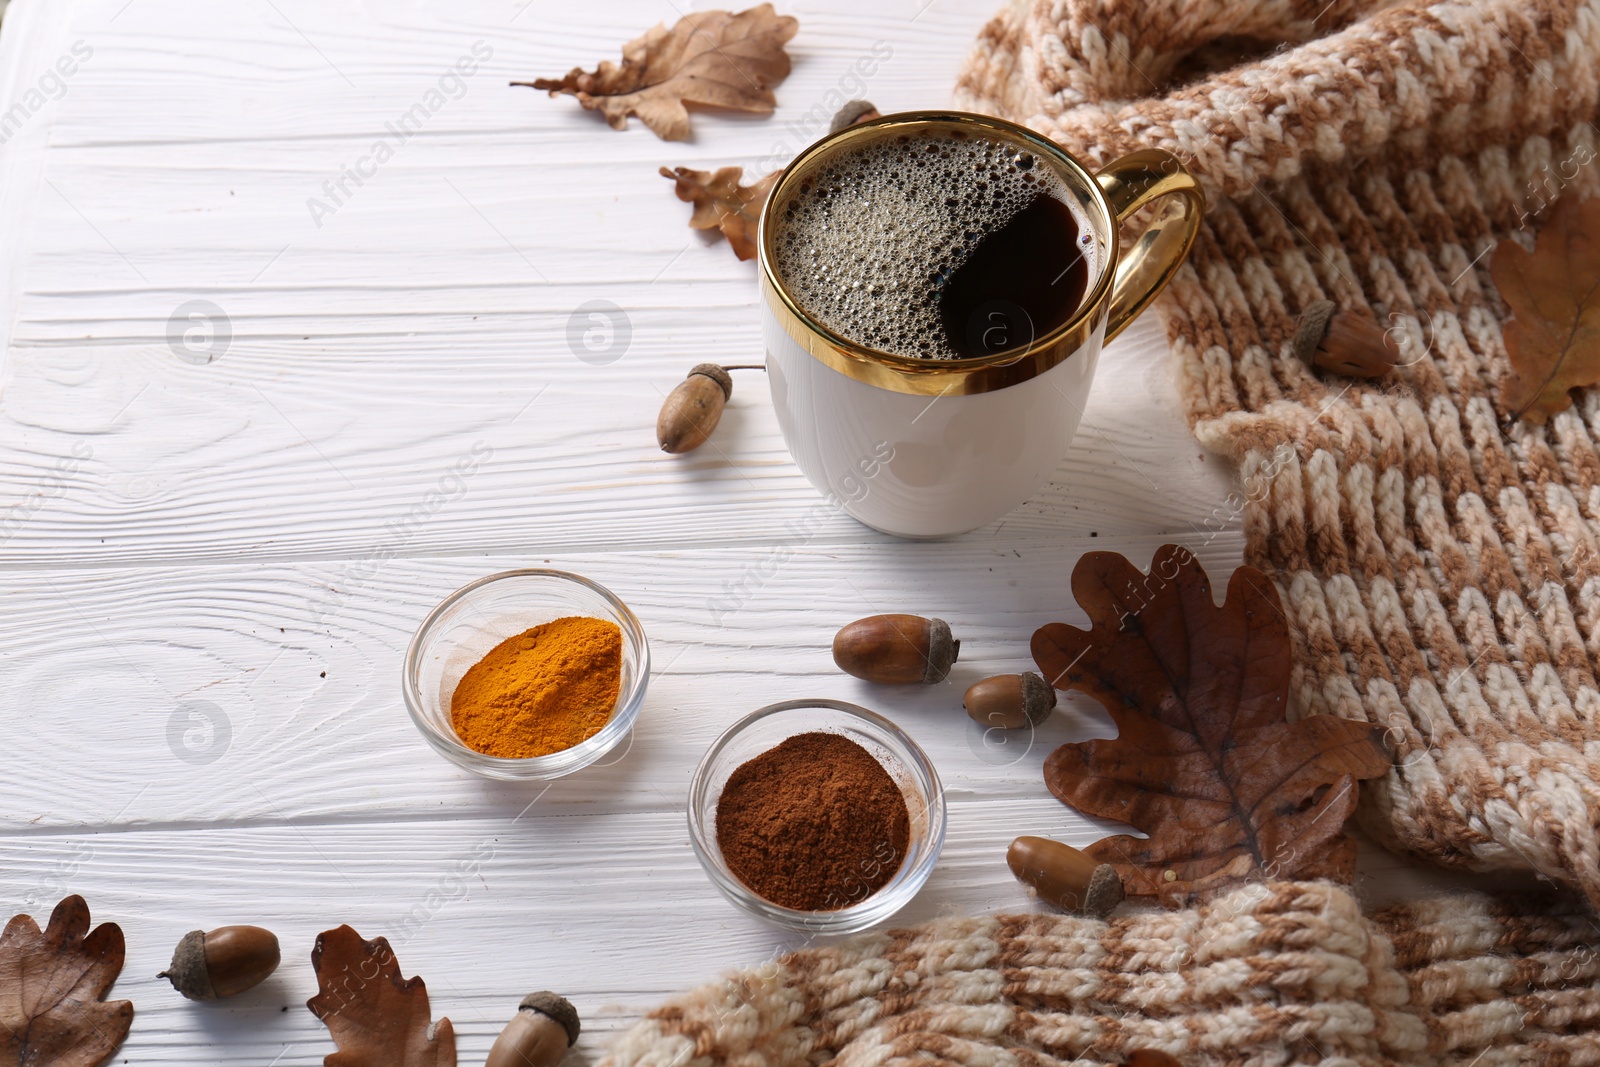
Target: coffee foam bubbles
<point>865,242</point>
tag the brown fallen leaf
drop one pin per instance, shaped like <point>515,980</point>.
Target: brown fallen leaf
<point>1203,761</point>
<point>377,1018</point>
<point>721,203</point>
<point>1553,339</point>
<point>709,58</point>
<point>51,985</point>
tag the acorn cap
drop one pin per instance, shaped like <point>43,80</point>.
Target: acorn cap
<point>188,972</point>
<point>716,374</point>
<point>1105,891</point>
<point>1038,697</point>
<point>943,649</point>
<point>1311,327</point>
<point>556,1007</point>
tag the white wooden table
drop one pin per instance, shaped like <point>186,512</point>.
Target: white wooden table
<point>210,579</point>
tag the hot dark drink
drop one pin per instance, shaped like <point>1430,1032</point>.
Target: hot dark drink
<point>938,244</point>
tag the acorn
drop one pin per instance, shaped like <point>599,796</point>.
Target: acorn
<point>1334,339</point>
<point>854,111</point>
<point>544,1027</point>
<point>693,409</point>
<point>896,649</point>
<point>1064,876</point>
<point>1010,701</point>
<point>222,963</point>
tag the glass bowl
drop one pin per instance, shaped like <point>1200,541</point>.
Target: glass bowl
<point>475,618</point>
<point>907,764</point>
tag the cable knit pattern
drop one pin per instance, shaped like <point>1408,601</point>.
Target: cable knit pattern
<point>1264,974</point>
<point>1441,568</point>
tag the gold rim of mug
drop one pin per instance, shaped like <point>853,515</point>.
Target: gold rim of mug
<point>939,377</point>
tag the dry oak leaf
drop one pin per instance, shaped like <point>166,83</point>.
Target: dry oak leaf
<point>377,1018</point>
<point>1553,339</point>
<point>1203,761</point>
<point>709,58</point>
<point>51,985</point>
<point>721,203</point>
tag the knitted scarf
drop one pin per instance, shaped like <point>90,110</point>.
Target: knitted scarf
<point>1440,565</point>
<point>1265,974</point>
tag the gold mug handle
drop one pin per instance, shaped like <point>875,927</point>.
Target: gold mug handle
<point>1148,264</point>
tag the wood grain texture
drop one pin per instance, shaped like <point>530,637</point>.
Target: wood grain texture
<point>316,455</point>
<point>185,538</point>
<point>302,662</point>
<point>373,348</point>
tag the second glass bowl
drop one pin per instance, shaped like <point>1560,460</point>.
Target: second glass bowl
<point>906,763</point>
<point>477,617</point>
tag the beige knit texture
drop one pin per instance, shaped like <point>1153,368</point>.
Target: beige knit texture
<point>1264,974</point>
<point>1439,565</point>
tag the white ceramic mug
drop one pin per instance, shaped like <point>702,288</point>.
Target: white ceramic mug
<point>931,447</point>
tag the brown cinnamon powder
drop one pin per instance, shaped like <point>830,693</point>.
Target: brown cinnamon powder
<point>815,824</point>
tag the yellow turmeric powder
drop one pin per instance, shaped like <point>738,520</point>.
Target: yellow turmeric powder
<point>541,691</point>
